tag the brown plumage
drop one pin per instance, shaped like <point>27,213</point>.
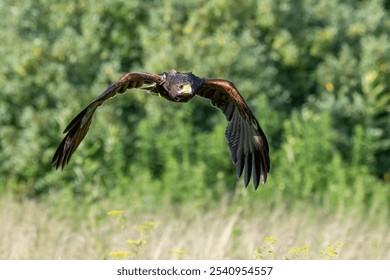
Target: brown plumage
<point>247,142</point>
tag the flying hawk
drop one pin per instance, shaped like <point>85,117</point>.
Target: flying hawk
<point>247,142</point>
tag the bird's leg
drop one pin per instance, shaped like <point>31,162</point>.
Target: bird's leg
<point>151,89</point>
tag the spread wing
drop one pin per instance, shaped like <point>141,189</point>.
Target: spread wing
<point>247,142</point>
<point>78,127</point>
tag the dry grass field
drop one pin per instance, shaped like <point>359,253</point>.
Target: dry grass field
<point>31,230</point>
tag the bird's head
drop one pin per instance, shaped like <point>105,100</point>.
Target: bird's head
<point>181,87</point>
<point>183,92</point>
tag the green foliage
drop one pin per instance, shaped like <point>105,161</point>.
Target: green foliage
<point>315,73</point>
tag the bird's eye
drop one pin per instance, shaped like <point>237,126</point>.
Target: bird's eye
<point>181,86</point>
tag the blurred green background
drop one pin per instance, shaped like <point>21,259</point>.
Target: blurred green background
<point>315,73</point>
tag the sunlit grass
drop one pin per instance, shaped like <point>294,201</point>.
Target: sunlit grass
<point>32,230</point>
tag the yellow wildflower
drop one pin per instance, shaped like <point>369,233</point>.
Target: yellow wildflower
<point>119,255</point>
<point>270,240</point>
<point>115,213</point>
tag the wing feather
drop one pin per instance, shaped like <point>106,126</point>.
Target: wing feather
<point>247,141</point>
<point>79,126</point>
<point>248,168</point>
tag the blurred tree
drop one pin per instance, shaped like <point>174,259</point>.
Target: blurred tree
<point>316,74</point>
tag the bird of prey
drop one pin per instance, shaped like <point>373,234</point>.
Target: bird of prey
<point>247,141</point>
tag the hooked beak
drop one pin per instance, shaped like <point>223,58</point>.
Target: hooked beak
<point>186,89</point>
